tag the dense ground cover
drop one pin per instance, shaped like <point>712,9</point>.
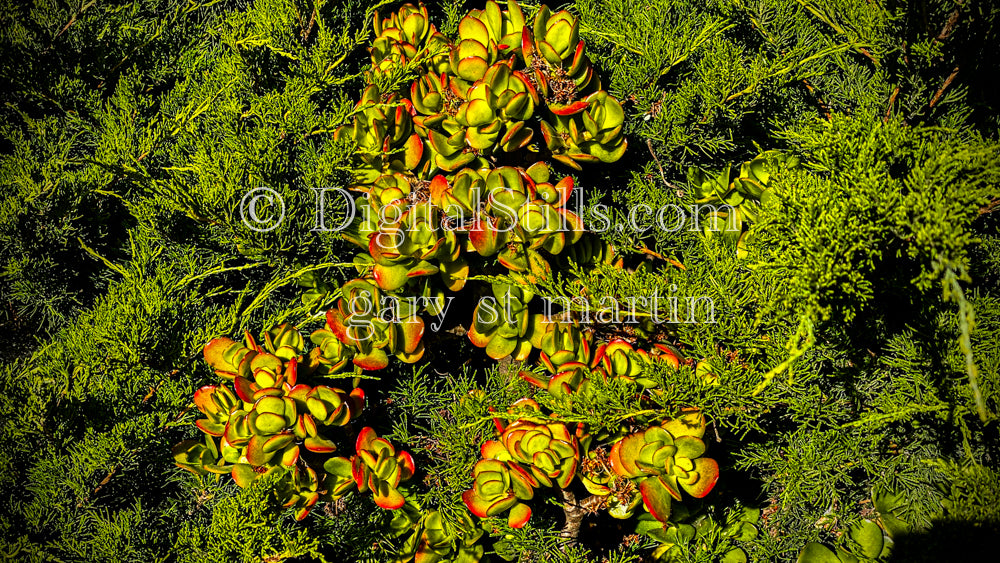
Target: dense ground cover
<point>846,386</point>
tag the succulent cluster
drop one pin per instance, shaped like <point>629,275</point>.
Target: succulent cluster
<point>686,528</point>
<point>432,537</point>
<point>436,196</point>
<point>868,541</point>
<point>571,356</point>
<point>355,330</point>
<point>452,182</point>
<point>653,466</point>
<point>737,195</point>
<point>263,419</point>
<point>530,454</point>
<point>481,94</point>
<point>648,467</point>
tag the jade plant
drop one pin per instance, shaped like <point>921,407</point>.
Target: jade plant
<point>265,420</point>
<point>650,467</point>
<point>736,196</point>
<point>665,459</point>
<point>443,196</point>
<point>461,149</point>
<point>435,201</point>
<point>866,540</point>
<point>529,454</point>
<point>432,537</point>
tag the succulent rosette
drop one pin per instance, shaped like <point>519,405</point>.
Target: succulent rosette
<point>498,487</point>
<point>432,537</point>
<point>588,131</point>
<point>500,323</point>
<point>665,459</point>
<point>549,451</point>
<point>530,453</point>
<point>566,353</point>
<point>356,323</point>
<point>268,420</point>
<point>378,467</point>
<point>524,215</point>
<point>484,36</point>
<point>555,56</point>
<point>503,27</point>
<point>383,131</point>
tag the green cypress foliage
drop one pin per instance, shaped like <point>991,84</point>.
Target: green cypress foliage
<point>847,369</point>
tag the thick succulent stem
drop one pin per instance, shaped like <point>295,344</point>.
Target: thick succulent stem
<point>575,511</point>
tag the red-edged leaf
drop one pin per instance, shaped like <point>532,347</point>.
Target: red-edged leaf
<point>478,113</point>
<point>471,28</point>
<point>299,392</point>
<point>439,185</point>
<point>527,46</point>
<point>291,456</point>
<point>656,497</point>
<point>551,136</point>
<point>381,253</point>
<point>523,481</point>
<point>567,476</point>
<point>485,237</point>
<point>413,152</point>
<point>569,109</point>
<point>357,402</point>
<point>407,467</point>
<point>214,350</point>
<point>278,442</point>
<point>292,372</point>
<point>577,61</point>
<point>338,327</point>
<point>476,504</point>
<point>243,474</point>
<point>623,455</point>
<point>390,278</point>
<point>519,515</point>
<point>529,87</point>
<point>423,268</point>
<point>203,399</point>
<point>358,473</point>
<point>244,389</point>
<point>477,338</point>
<point>534,379</point>
<point>377,359</point>
<point>255,451</point>
<point>319,445</point>
<point>210,428</point>
<point>390,499</point>
<point>251,343</point>
<point>413,331</point>
<point>708,474</point>
<point>491,449</point>
<point>565,190</point>
<point>567,160</point>
<point>669,354</point>
<point>365,438</point>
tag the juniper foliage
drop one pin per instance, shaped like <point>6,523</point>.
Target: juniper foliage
<point>853,353</point>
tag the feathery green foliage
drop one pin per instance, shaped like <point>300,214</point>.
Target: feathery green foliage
<point>843,351</point>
